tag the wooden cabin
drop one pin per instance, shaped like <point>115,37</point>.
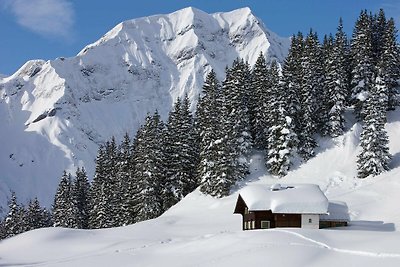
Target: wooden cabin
<point>302,205</point>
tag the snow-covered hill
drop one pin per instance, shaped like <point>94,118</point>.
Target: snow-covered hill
<point>203,231</point>
<point>54,114</point>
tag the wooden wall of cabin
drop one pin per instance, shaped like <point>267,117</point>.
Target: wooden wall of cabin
<point>287,220</point>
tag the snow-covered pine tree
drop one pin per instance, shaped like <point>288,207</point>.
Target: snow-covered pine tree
<point>36,217</point>
<point>172,161</point>
<point>126,181</point>
<point>105,204</point>
<point>131,199</point>
<point>2,229</point>
<point>337,83</point>
<point>180,153</point>
<point>374,157</point>
<point>99,204</point>
<point>324,96</point>
<point>282,140</point>
<point>112,190</point>
<point>80,196</point>
<point>309,95</point>
<point>209,122</point>
<point>292,79</point>
<point>189,151</point>
<point>149,169</point>
<point>389,64</point>
<point>362,62</point>
<point>259,101</point>
<point>237,122</point>
<point>378,28</point>
<point>13,222</point>
<point>63,206</point>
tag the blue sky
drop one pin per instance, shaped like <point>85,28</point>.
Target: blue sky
<point>46,29</point>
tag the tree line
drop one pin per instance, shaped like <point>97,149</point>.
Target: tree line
<point>281,110</point>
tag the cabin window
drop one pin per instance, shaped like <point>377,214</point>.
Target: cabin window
<point>265,224</point>
<point>253,225</point>
<point>310,220</point>
<point>246,210</point>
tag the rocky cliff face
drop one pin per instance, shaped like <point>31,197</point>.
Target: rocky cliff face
<point>54,114</point>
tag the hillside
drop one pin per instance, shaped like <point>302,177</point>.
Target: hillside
<point>203,231</point>
<point>55,114</point>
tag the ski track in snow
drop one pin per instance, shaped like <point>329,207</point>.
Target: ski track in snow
<point>340,250</point>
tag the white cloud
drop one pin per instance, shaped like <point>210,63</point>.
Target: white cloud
<point>50,18</point>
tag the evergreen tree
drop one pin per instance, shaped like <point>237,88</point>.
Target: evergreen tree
<point>190,150</point>
<point>324,98</point>
<point>237,122</point>
<point>13,222</point>
<point>209,122</point>
<point>36,217</point>
<point>149,169</point>
<point>292,79</point>
<point>378,29</point>
<point>180,153</point>
<point>336,83</point>
<point>173,164</point>
<point>259,104</point>
<point>80,197</point>
<point>126,181</point>
<point>363,63</point>
<point>374,157</point>
<point>98,200</point>
<point>281,144</point>
<point>111,186</point>
<point>389,64</point>
<point>310,92</point>
<point>63,207</point>
<point>282,140</point>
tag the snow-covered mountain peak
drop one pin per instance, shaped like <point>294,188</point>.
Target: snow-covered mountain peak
<point>56,113</point>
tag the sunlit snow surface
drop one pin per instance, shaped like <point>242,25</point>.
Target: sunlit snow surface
<point>203,231</point>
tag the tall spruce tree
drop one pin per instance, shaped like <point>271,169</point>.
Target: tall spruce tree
<point>112,191</point>
<point>13,222</point>
<point>63,207</point>
<point>292,79</point>
<point>36,217</point>
<point>180,152</point>
<point>149,169</point>
<point>282,140</point>
<point>99,200</point>
<point>126,181</point>
<point>80,197</point>
<point>363,63</point>
<point>337,83</point>
<point>209,124</point>
<point>173,157</point>
<point>189,151</point>
<point>259,102</point>
<point>309,95</point>
<point>389,64</point>
<point>374,157</point>
<point>237,122</point>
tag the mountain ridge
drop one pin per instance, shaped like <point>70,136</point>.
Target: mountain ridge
<point>55,113</point>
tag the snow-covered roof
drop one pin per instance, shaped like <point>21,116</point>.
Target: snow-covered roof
<point>337,211</point>
<point>296,198</point>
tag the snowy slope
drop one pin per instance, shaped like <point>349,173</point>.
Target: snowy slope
<point>203,231</point>
<point>54,114</point>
